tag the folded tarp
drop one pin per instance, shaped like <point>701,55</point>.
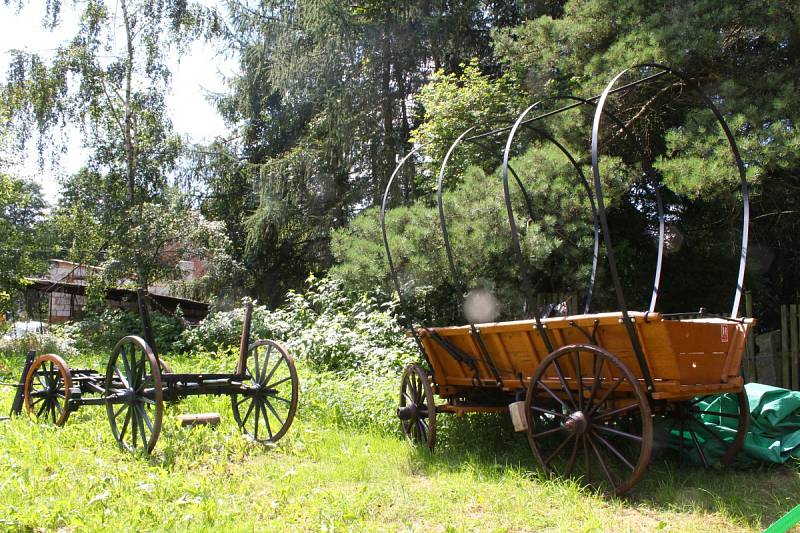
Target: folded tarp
<point>773,436</point>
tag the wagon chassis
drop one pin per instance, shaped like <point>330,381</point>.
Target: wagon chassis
<point>583,407</point>
<point>262,388</point>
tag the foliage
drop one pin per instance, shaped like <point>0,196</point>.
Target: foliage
<point>100,331</point>
<point>54,341</point>
<point>324,326</point>
<point>21,214</point>
<point>556,243</point>
<point>119,207</point>
<point>454,103</point>
<point>744,55</point>
<point>322,107</point>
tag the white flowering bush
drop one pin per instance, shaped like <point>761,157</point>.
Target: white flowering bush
<point>324,326</point>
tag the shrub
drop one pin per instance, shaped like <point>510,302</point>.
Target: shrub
<point>325,326</point>
<point>103,330</point>
<point>51,342</point>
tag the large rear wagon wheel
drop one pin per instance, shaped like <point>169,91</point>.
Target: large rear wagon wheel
<point>47,387</point>
<point>266,409</point>
<point>417,411</point>
<point>595,424</point>
<point>134,395</point>
<point>710,428</point>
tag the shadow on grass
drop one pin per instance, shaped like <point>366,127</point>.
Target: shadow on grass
<point>754,494</point>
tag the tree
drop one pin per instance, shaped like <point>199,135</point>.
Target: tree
<point>21,213</point>
<point>116,97</point>
<point>325,106</point>
<point>746,56</point>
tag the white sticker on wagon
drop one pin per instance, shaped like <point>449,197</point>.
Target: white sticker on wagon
<point>723,336</point>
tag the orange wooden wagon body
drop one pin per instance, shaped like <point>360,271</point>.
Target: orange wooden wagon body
<point>685,357</point>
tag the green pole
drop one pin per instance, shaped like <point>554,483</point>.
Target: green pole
<point>783,524</point>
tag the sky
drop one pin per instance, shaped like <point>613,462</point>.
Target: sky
<point>200,71</point>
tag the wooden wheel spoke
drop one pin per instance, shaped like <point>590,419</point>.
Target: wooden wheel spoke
<point>42,409</point>
<point>587,464</point>
<point>126,366</point>
<point>281,382</point>
<point>573,458</point>
<point>699,448</point>
<point>39,379</point>
<point>134,426</point>
<point>284,400</point>
<point>273,411</point>
<point>118,411</point>
<point>550,391</point>
<point>409,398</point>
<point>616,452</point>
<point>249,410</point>
<point>558,449</point>
<point>603,465</point>
<point>579,378</point>
<point>280,360</point>
<point>125,423</point>
<point>617,432</point>
<point>145,416</point>
<point>710,432</point>
<point>699,399</point>
<point>548,432</point>
<point>142,432</point>
<point>717,413</point>
<point>606,394</point>
<point>564,384</point>
<point>267,357</point>
<point>256,366</point>
<point>266,418</point>
<point>49,374</point>
<point>615,412</point>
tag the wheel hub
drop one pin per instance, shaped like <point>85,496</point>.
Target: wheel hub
<point>577,423</point>
<point>408,412</point>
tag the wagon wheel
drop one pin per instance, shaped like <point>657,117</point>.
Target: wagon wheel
<point>713,426</point>
<point>47,387</point>
<point>417,412</point>
<point>267,406</point>
<point>134,395</point>
<point>594,423</point>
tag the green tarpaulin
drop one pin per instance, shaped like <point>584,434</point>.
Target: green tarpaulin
<point>774,434</point>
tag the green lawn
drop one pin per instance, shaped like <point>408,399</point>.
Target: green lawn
<point>323,477</point>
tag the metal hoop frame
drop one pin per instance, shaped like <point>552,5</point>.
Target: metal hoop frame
<point>663,69</point>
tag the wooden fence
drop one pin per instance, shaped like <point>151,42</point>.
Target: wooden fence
<point>773,357</point>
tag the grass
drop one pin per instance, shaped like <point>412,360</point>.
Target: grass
<point>330,476</point>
